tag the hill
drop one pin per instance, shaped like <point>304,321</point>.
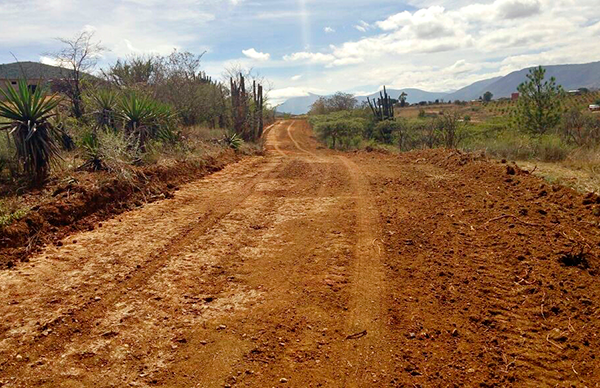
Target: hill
<point>569,76</point>
<point>31,70</point>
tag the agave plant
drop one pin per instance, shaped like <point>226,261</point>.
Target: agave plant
<point>234,141</point>
<point>138,114</point>
<point>145,118</point>
<point>91,148</point>
<point>105,103</point>
<point>28,112</point>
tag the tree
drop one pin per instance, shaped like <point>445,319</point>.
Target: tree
<point>337,103</point>
<point>487,96</point>
<point>403,99</point>
<point>78,57</point>
<point>342,101</point>
<point>538,109</point>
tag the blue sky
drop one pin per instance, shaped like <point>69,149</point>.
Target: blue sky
<point>305,46</point>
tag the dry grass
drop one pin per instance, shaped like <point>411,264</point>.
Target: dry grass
<point>581,171</point>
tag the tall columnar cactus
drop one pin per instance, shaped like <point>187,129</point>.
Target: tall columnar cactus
<point>382,108</point>
<point>247,110</point>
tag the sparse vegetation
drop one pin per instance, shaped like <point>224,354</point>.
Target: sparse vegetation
<point>545,125</point>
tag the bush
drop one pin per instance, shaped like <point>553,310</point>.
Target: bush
<point>451,129</point>
<point>386,130</point>
<point>580,129</point>
<point>340,129</point>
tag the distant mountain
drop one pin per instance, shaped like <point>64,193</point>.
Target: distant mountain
<point>569,76</point>
<point>472,91</point>
<point>298,105</point>
<point>32,71</point>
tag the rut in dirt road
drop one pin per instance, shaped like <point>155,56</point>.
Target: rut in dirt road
<point>202,279</point>
<point>310,267</point>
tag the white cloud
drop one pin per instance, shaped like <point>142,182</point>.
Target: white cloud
<point>277,96</point>
<point>328,30</point>
<point>307,57</point>
<point>49,61</point>
<point>363,26</point>
<point>258,56</point>
<point>445,45</point>
<point>296,77</point>
<point>514,9</point>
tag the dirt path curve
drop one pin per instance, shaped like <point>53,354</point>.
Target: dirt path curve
<point>307,268</point>
<point>245,271</point>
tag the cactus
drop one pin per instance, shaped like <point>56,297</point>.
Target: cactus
<point>247,119</point>
<point>383,108</point>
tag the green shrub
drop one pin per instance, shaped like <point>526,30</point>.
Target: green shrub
<point>11,210</point>
<point>344,129</point>
<point>386,130</point>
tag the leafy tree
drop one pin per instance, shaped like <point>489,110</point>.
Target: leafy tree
<point>403,99</point>
<point>539,106</point>
<point>487,96</point>
<point>336,103</point>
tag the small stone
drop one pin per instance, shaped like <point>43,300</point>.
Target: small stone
<point>19,357</point>
<point>221,327</point>
<point>97,298</point>
<point>454,333</point>
<point>203,342</point>
<point>412,335</point>
<point>283,380</point>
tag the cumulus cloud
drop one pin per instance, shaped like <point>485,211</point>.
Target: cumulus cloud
<point>308,57</point>
<point>514,9</point>
<point>257,56</point>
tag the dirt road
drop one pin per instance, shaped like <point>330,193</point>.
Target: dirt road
<point>308,267</point>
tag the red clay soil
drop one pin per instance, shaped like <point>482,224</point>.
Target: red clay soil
<point>63,208</point>
<point>310,268</point>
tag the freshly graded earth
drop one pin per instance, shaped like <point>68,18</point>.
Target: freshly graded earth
<point>314,268</point>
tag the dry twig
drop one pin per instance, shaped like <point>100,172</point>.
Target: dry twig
<point>514,217</point>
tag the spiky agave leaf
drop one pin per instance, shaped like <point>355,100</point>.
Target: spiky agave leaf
<point>105,102</point>
<point>28,113</point>
<point>146,118</point>
<point>234,141</point>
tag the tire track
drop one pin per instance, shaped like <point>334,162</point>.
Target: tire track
<point>367,338</point>
<point>83,318</point>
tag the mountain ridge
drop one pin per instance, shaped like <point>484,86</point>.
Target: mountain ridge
<point>570,76</point>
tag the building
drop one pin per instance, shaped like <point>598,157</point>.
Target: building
<point>594,108</point>
<point>514,96</point>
